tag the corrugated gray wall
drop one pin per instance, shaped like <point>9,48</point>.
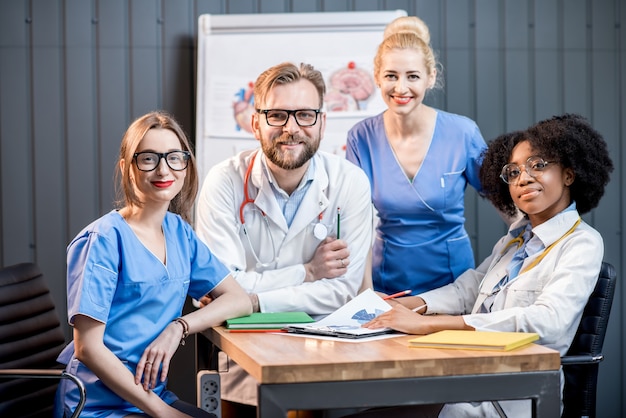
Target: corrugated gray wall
<point>75,73</point>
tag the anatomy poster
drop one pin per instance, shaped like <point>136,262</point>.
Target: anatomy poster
<point>350,90</point>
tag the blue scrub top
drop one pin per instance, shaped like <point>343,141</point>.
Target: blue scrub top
<point>421,242</point>
<point>113,278</point>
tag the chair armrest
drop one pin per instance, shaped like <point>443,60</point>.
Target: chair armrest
<point>581,359</point>
<point>48,374</point>
<point>35,373</point>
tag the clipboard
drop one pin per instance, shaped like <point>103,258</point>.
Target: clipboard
<point>347,321</point>
<point>338,333</point>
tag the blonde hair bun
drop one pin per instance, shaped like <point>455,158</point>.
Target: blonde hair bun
<point>411,24</point>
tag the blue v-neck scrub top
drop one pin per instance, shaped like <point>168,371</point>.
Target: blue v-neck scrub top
<point>113,278</point>
<point>421,242</point>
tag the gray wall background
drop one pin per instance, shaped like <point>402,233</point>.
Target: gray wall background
<point>75,73</point>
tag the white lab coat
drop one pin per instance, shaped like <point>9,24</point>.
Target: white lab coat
<point>280,287</point>
<point>547,299</point>
<point>337,184</point>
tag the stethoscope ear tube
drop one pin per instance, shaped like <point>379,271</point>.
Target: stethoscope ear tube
<point>248,200</point>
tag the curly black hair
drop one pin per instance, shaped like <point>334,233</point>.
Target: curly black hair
<point>568,139</point>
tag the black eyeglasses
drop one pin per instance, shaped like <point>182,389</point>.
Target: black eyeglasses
<point>148,161</point>
<point>279,117</point>
<point>534,166</point>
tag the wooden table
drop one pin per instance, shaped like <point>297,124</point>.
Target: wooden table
<point>309,373</point>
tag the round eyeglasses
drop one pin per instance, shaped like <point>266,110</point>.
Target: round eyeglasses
<point>534,166</point>
<point>148,161</point>
<point>280,117</point>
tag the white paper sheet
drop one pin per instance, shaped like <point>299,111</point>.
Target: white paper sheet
<point>347,321</point>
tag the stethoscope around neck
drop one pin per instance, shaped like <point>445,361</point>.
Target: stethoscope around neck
<point>320,231</point>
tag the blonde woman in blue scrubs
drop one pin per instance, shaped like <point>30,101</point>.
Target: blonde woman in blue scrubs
<point>128,274</point>
<point>419,161</point>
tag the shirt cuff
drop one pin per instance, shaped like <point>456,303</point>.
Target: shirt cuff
<point>266,302</point>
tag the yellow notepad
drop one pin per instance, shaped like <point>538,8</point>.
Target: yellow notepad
<point>474,340</point>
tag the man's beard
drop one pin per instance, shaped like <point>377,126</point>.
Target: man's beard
<point>288,160</point>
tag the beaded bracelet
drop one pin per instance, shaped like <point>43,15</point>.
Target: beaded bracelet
<point>185,326</point>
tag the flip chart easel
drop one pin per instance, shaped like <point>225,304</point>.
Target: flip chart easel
<point>234,49</point>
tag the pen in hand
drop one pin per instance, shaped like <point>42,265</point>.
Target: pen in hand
<point>338,222</point>
<point>397,295</point>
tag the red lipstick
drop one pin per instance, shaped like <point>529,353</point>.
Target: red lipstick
<point>163,184</point>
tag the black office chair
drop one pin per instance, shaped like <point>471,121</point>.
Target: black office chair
<point>30,340</point>
<point>582,361</point>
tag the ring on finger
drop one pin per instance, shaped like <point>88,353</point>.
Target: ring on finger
<point>342,263</point>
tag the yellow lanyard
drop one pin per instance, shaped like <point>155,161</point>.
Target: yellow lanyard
<point>545,252</point>
<point>518,239</point>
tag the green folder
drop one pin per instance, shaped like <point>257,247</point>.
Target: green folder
<point>268,320</point>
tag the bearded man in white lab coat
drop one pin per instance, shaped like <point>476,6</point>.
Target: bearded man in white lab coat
<point>294,224</point>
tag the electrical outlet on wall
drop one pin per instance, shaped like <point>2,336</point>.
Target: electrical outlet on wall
<point>209,392</point>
